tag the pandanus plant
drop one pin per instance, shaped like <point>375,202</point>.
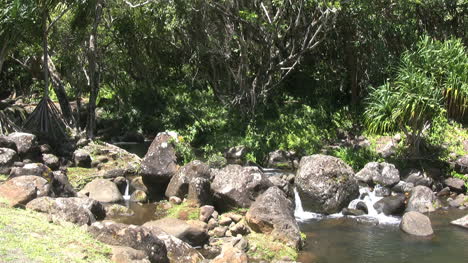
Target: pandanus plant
<point>46,120</point>
<point>432,80</point>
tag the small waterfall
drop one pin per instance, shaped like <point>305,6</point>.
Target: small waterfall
<point>299,213</point>
<point>126,196</point>
<point>369,198</point>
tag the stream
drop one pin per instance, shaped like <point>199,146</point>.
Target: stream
<point>364,239</point>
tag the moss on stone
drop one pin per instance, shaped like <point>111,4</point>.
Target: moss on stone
<point>185,211</point>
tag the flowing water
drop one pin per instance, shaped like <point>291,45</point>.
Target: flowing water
<point>126,195</point>
<point>374,238</point>
<point>377,238</point>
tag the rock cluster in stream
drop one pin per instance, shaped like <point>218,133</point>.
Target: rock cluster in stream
<point>233,202</point>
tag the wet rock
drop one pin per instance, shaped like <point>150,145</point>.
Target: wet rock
<point>415,223</point>
<point>179,183</point>
<point>457,201</point>
<point>230,254</point>
<point>419,178</point>
<point>26,143</point>
<point>455,184</point>
<point>384,174</point>
<point>137,237</point>
<point>382,191</point>
<point>362,206</point>
<point>281,159</point>
<point>273,213</point>
<point>102,190</point>
<point>80,211</point>
<point>403,187</point>
<point>82,158</point>
<point>206,212</point>
<point>160,162</point>
<point>391,205</point>
<point>118,210</point>
<point>463,222</point>
<point>193,234</point>
<point>421,200</point>
<point>139,196</point>
<point>20,190</point>
<point>326,184</point>
<point>7,158</point>
<point>352,212</point>
<point>236,186</point>
<point>444,192</point>
<point>200,191</point>
<point>137,184</point>
<point>461,165</point>
<point>177,250</point>
<point>235,155</point>
<point>51,161</point>
<point>128,255</point>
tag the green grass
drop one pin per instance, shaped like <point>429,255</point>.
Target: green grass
<point>269,249</point>
<point>26,236</point>
<point>184,211</point>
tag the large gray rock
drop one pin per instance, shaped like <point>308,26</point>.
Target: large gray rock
<point>455,184</point>
<point>384,174</point>
<point>391,205</point>
<point>82,158</point>
<point>237,186</point>
<point>80,211</point>
<point>51,161</point>
<point>136,237</point>
<point>326,184</point>
<point>417,177</point>
<point>188,176</point>
<point>422,200</point>
<point>417,224</point>
<point>273,214</point>
<point>200,191</point>
<point>177,250</point>
<point>403,187</point>
<point>61,186</point>
<point>20,190</point>
<point>102,190</point>
<point>36,169</point>
<point>193,234</point>
<point>26,143</point>
<point>7,158</point>
<point>6,142</point>
<point>463,222</point>
<point>160,162</point>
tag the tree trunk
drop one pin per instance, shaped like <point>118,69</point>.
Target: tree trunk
<point>59,89</point>
<point>93,71</point>
<point>46,52</point>
<point>3,52</point>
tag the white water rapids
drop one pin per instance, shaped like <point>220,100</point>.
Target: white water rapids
<point>126,196</point>
<point>368,197</point>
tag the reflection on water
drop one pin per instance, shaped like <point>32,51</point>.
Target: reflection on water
<point>142,214</point>
<point>345,240</point>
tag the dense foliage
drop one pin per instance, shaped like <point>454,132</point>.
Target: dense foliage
<point>265,74</point>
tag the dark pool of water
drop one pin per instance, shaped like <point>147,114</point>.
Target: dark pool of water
<point>344,240</point>
<point>139,149</point>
